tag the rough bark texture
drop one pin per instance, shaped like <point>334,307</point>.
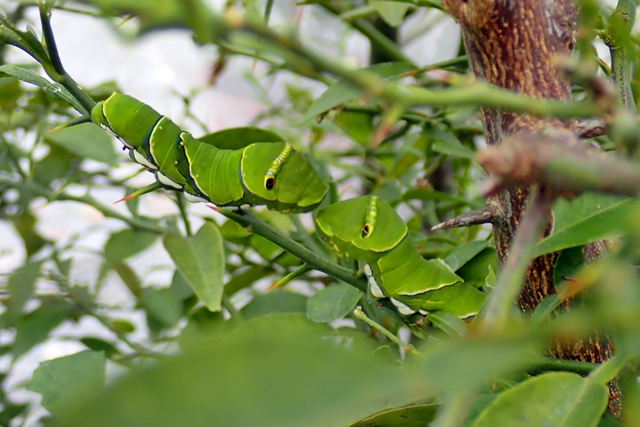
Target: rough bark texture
<point>512,44</point>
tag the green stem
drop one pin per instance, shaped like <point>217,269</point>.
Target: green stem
<point>90,310</point>
<point>620,26</point>
<point>373,34</point>
<point>546,364</point>
<point>409,348</point>
<point>261,228</point>
<point>88,200</point>
<point>478,93</point>
<point>458,61</point>
<point>304,268</point>
<point>183,213</point>
<point>55,70</point>
<point>307,240</point>
<point>454,410</point>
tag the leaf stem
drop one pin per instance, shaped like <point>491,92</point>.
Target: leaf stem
<point>619,43</point>
<point>409,348</point>
<point>183,213</point>
<point>478,92</point>
<point>58,73</point>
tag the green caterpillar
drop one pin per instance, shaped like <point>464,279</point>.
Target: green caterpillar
<point>369,231</point>
<point>271,174</point>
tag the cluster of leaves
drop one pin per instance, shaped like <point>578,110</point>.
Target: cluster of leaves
<point>277,361</point>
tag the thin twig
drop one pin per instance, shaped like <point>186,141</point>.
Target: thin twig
<point>88,200</point>
<point>467,219</point>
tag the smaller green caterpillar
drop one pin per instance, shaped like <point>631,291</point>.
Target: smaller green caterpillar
<point>369,231</point>
<point>271,174</point>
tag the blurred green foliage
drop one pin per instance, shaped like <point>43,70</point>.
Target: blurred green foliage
<point>217,349</point>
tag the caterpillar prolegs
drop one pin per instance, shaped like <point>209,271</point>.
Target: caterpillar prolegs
<point>369,231</point>
<point>273,174</point>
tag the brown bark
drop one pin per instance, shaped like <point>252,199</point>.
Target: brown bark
<point>512,44</point>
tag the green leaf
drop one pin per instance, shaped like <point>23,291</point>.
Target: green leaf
<point>87,141</point>
<point>475,271</point>
<point>265,248</point>
<point>128,277</point>
<point>453,149</point>
<point>545,308</point>
<point>180,287</point>
<point>35,327</point>
<point>453,367</point>
<point>448,322</point>
<point>100,345</point>
<point>10,93</point>
<point>156,13</point>
<point>357,125</point>
<point>554,399</point>
<point>162,305</point>
<point>272,371</point>
<point>56,90</point>
<point>27,76</point>
<point>587,218</point>
<point>332,303</point>
<point>20,286</point>
<point>409,416</point>
<point>236,138</point>
<point>276,301</point>
<point>428,194</point>
<point>122,325</point>
<point>65,380</point>
<point>343,90</point>
<point>246,278</point>
<point>391,12</point>
<point>235,233</point>
<point>203,324</point>
<point>568,263</point>
<point>462,254</point>
<point>55,165</point>
<point>127,243</point>
<point>200,259</point>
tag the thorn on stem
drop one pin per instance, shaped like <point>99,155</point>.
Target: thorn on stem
<point>467,219</point>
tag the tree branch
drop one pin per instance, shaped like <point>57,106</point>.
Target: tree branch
<point>496,311</point>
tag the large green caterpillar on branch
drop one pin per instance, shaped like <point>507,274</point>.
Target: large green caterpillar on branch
<point>272,174</point>
<point>369,231</point>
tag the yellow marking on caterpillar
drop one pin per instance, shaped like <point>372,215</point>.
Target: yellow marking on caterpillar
<point>276,165</point>
<point>370,217</point>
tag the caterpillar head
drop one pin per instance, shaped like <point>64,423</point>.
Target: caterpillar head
<point>364,228</point>
<point>281,177</point>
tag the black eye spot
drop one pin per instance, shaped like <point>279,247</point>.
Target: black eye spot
<point>270,183</point>
<point>365,231</point>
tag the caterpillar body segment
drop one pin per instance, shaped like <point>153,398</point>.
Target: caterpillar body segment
<point>393,267</point>
<point>262,173</point>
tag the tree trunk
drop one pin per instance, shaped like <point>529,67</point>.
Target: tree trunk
<point>512,44</point>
